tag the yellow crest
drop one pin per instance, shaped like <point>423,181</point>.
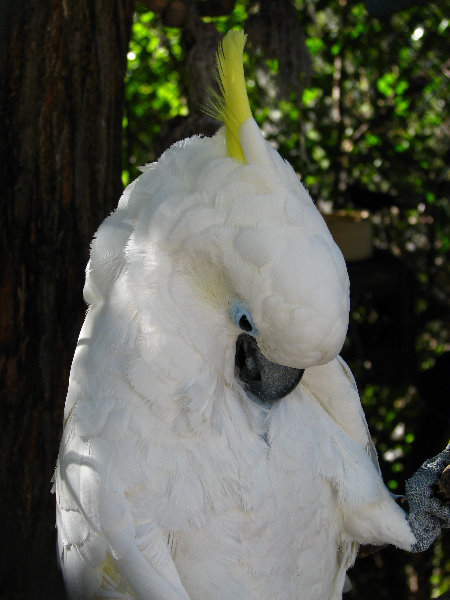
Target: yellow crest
<point>232,107</point>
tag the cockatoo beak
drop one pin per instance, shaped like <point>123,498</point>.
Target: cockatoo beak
<point>266,380</point>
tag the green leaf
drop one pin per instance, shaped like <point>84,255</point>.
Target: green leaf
<point>310,95</point>
<point>125,178</point>
<point>314,45</point>
<point>372,140</point>
<point>402,146</point>
<point>357,30</point>
<point>335,49</point>
<point>401,106</point>
<point>401,87</point>
<point>385,84</point>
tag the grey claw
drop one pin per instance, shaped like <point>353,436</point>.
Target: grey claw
<point>427,515</point>
<point>440,511</point>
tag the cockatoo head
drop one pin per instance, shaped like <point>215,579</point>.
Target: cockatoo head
<point>225,249</point>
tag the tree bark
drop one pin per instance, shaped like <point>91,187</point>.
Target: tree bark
<point>61,74</point>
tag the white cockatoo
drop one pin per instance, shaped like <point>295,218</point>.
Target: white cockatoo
<point>214,444</point>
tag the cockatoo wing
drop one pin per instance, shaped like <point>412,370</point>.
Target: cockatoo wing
<point>102,548</point>
<point>334,386</point>
<point>371,516</point>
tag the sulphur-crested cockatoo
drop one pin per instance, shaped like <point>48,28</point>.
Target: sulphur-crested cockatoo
<point>214,445</point>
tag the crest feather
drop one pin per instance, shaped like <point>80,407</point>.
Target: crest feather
<point>232,106</point>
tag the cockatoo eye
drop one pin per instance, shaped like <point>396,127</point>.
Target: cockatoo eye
<point>245,324</point>
<point>242,317</point>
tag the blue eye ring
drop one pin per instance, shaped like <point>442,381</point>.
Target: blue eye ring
<point>242,318</point>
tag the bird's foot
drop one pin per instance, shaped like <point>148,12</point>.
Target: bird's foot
<point>429,505</point>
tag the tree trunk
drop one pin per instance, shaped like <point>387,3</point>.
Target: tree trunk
<point>62,69</point>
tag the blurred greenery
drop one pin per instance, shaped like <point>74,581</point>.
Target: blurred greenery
<point>366,129</point>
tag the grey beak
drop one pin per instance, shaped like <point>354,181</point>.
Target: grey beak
<point>267,380</point>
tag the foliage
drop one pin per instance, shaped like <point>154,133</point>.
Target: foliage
<point>153,89</point>
<point>370,131</point>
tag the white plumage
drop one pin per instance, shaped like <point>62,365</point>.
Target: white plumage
<point>173,482</point>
